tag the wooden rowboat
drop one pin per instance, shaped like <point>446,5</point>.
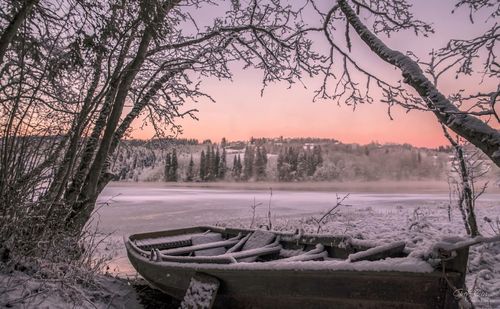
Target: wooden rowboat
<point>262,269</point>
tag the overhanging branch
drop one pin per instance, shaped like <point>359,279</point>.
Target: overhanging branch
<point>469,127</point>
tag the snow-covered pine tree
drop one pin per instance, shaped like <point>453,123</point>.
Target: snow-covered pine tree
<point>248,162</point>
<point>216,164</point>
<point>260,164</point>
<point>203,166</point>
<point>279,166</point>
<point>316,160</point>
<point>174,165</point>
<point>168,163</point>
<point>264,154</point>
<point>302,166</point>
<point>190,170</point>
<point>240,166</point>
<point>222,164</point>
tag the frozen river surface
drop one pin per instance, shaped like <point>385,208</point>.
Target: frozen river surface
<point>129,209</point>
<point>125,209</point>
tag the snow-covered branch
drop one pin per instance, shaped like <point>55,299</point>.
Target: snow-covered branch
<point>471,128</point>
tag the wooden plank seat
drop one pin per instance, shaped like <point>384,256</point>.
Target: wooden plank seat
<point>318,253</point>
<point>163,245</point>
<point>240,244</point>
<point>205,239</point>
<point>211,245</point>
<point>172,241</point>
<point>258,239</point>
<point>176,241</point>
<point>394,249</point>
<point>227,258</point>
<point>253,254</point>
<point>220,259</point>
<point>252,246</point>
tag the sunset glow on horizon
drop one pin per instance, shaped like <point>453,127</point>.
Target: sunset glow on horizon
<point>240,112</point>
<point>285,113</point>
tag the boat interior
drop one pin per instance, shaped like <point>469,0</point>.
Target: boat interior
<point>228,245</point>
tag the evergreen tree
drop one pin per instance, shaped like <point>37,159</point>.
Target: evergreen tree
<point>222,165</point>
<point>168,163</point>
<point>279,166</point>
<point>216,164</point>
<point>174,165</point>
<point>248,162</point>
<point>153,156</point>
<point>260,165</point>
<point>293,159</point>
<point>234,170</point>
<point>316,160</point>
<point>287,164</point>
<point>240,166</point>
<point>190,171</point>
<point>209,160</point>
<point>237,167</point>
<point>134,165</point>
<point>203,166</point>
<point>302,165</point>
<point>264,154</point>
<point>171,166</point>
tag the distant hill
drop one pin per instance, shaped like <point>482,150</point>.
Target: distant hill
<point>286,159</point>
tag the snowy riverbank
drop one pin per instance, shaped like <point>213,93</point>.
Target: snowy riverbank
<point>419,219</point>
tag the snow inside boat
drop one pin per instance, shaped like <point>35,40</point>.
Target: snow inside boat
<point>243,268</point>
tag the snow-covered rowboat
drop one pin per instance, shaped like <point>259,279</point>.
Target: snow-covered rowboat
<point>262,269</point>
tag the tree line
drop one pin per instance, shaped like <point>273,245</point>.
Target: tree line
<point>296,165</point>
<point>276,161</point>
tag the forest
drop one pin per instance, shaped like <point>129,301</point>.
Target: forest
<point>282,160</point>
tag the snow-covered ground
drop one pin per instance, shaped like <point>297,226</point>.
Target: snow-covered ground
<point>418,219</point>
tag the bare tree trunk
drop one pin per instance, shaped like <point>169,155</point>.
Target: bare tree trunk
<point>82,209</point>
<point>460,205</point>
<point>89,150</point>
<point>63,173</point>
<point>106,176</point>
<point>131,116</point>
<point>11,30</point>
<point>468,197</point>
<point>466,194</point>
<point>92,143</point>
<point>131,71</point>
<point>84,205</point>
<point>469,127</point>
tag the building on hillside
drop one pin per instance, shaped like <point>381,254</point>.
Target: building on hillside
<point>309,146</point>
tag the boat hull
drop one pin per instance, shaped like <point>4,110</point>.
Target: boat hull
<point>305,288</point>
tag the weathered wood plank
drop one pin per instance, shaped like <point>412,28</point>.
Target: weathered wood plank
<point>253,253</point>
<point>184,250</point>
<point>379,252</point>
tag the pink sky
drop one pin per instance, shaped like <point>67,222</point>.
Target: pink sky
<point>240,112</point>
